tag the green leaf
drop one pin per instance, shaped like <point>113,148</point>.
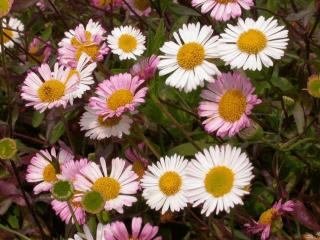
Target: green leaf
<point>187,149</point>
<point>155,41</point>
<point>56,132</point>
<point>37,119</point>
<point>299,118</point>
<point>183,11</point>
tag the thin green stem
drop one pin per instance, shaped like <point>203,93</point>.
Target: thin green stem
<point>66,127</point>
<point>74,217</point>
<point>148,143</point>
<point>14,232</point>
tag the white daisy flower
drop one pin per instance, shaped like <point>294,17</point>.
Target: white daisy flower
<point>252,44</point>
<point>11,29</point>
<point>84,73</point>
<point>127,42</point>
<point>51,90</point>
<point>218,178</point>
<point>164,184</point>
<point>187,58</point>
<point>117,188</point>
<point>97,128</point>
<point>41,169</point>
<point>87,235</point>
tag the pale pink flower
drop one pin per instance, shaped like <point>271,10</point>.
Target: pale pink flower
<point>140,7</point>
<point>264,225</point>
<point>41,169</point>
<point>118,95</point>
<point>223,10</point>
<point>145,68</point>
<point>89,40</point>
<point>39,49</point>
<point>139,163</point>
<point>118,231</point>
<point>226,104</point>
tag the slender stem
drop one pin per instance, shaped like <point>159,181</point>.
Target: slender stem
<point>58,13</point>
<point>14,232</point>
<point>176,123</point>
<point>31,210</point>
<point>148,143</point>
<point>74,217</point>
<point>66,126</point>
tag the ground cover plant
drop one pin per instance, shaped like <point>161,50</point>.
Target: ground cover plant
<point>159,119</point>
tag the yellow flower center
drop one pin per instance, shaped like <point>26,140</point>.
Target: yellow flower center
<point>190,55</point>
<point>170,183</point>
<point>219,181</point>
<point>49,173</point>
<point>252,41</point>
<point>225,1</point>
<point>267,216</point>
<point>119,98</point>
<point>138,168</point>
<point>109,122</point>
<point>51,91</point>
<point>141,4</point>
<point>4,7</point>
<point>232,105</point>
<point>108,187</point>
<point>127,43</point>
<point>104,3</point>
<point>87,47</point>
<point>8,34</point>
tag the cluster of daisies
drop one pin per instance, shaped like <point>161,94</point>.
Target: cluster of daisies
<point>216,179</point>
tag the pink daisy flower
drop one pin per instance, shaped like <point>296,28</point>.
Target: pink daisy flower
<point>223,10</point>
<point>118,231</point>
<point>268,218</point>
<point>107,4</point>
<point>117,95</point>
<point>146,68</point>
<point>141,7</point>
<point>89,40</point>
<point>40,50</point>
<point>226,104</point>
<point>139,163</point>
<point>41,169</point>
<point>117,188</point>
<point>51,90</point>
<point>69,170</point>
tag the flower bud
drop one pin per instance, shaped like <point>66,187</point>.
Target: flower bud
<point>62,190</point>
<point>92,202</point>
<point>8,148</point>
<point>253,133</point>
<point>314,86</point>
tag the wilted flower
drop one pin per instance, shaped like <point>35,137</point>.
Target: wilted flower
<point>145,68</point>
<point>314,85</point>
<point>40,50</point>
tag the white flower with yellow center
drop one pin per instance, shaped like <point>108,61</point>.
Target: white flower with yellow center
<point>52,90</point>
<point>218,178</point>
<point>42,170</point>
<point>127,42</point>
<point>252,44</point>
<point>164,184</point>
<point>98,128</point>
<point>187,58</point>
<point>11,32</point>
<point>116,188</point>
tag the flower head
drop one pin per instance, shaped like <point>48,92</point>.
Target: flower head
<point>88,40</point>
<point>98,128</point>
<point>117,95</point>
<point>42,171</point>
<point>39,50</point>
<point>87,235</point>
<point>226,104</point>
<point>118,231</point>
<point>218,178</point>
<point>268,218</point>
<point>314,85</point>
<point>52,90</point>
<point>186,60</point>
<point>164,184</point>
<point>139,163</point>
<point>127,42</point>
<point>223,10</point>
<point>12,32</point>
<point>252,44</point>
<point>5,7</point>
<point>117,187</point>
<point>146,68</point>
